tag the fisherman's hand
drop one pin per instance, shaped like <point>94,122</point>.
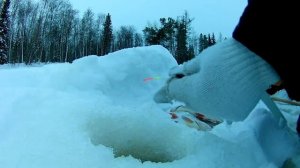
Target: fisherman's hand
<point>177,72</point>
<point>225,81</point>
<point>185,69</point>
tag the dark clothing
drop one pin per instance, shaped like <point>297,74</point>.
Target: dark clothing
<point>269,28</point>
<point>298,125</point>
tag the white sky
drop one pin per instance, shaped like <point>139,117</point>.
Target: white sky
<point>218,16</point>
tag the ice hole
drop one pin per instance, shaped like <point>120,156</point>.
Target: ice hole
<point>146,140</point>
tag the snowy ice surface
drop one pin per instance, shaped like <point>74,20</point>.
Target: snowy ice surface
<point>98,112</point>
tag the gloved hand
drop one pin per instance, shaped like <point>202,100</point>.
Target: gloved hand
<point>225,81</point>
<point>186,69</point>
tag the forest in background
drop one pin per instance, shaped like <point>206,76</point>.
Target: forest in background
<point>52,31</point>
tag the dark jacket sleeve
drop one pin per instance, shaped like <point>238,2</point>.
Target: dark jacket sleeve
<point>269,28</point>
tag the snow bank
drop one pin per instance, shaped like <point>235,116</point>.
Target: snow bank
<point>98,112</point>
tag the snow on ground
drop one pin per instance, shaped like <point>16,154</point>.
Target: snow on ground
<point>98,112</point>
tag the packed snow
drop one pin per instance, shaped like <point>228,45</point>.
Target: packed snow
<point>98,112</point>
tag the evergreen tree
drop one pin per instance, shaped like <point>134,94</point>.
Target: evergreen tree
<point>151,35</point>
<point>168,29</point>
<point>206,41</point>
<point>4,31</point>
<point>213,39</point>
<point>201,43</point>
<point>209,41</point>
<point>183,29</point>
<point>181,38</point>
<point>191,52</point>
<point>164,35</point>
<point>107,35</point>
<point>172,34</point>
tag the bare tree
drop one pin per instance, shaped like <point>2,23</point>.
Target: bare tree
<point>4,19</point>
<point>125,37</point>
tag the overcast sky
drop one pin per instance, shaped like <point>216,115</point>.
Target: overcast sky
<point>218,16</point>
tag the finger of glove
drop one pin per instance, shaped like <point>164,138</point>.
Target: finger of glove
<point>187,68</point>
<point>177,70</point>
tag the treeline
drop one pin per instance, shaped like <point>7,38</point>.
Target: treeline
<point>52,31</point>
<point>175,35</point>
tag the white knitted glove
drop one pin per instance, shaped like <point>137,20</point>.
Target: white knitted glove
<point>187,68</point>
<point>225,81</point>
